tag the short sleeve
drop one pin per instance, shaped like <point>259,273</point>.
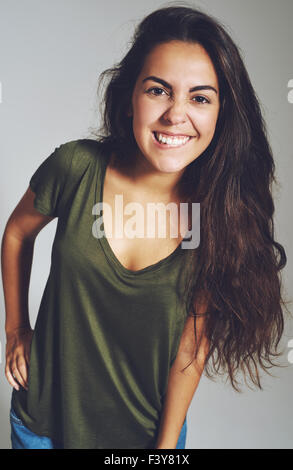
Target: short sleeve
<point>49,180</point>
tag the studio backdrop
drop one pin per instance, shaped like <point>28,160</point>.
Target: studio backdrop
<point>51,56</point>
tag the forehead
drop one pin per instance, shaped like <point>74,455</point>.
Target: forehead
<point>180,62</point>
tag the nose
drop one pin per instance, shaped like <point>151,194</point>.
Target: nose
<point>175,114</point>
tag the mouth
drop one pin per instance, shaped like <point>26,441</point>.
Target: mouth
<point>168,141</point>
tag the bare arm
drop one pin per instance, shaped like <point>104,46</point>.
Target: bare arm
<point>182,385</point>
<point>17,248</point>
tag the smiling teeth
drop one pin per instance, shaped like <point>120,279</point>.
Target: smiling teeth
<point>171,140</point>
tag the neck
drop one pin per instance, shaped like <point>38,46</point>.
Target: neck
<point>142,174</point>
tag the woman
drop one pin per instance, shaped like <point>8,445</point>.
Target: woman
<point>126,324</point>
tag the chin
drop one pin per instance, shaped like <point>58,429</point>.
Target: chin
<point>169,167</point>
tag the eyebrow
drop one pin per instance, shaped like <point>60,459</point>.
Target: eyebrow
<point>167,85</point>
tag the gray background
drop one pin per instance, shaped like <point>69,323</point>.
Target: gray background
<point>51,54</point>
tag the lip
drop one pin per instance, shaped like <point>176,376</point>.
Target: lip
<point>173,135</point>
<point>168,146</point>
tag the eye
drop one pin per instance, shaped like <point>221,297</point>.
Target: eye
<point>153,90</point>
<point>199,99</point>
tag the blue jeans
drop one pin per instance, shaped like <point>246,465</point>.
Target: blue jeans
<point>182,436</point>
<point>23,438</point>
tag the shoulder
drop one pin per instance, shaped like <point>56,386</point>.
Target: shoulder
<point>68,160</point>
<point>84,148</point>
<point>55,179</point>
<point>82,152</point>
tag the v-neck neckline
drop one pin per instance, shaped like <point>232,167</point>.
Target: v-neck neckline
<point>104,159</point>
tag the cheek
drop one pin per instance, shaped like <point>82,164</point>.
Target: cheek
<point>205,123</point>
<point>144,116</point>
<point>148,110</point>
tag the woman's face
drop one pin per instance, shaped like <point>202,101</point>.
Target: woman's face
<point>176,93</point>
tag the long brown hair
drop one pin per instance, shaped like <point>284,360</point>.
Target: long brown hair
<point>232,180</point>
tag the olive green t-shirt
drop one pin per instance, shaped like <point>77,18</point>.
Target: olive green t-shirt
<point>105,336</point>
